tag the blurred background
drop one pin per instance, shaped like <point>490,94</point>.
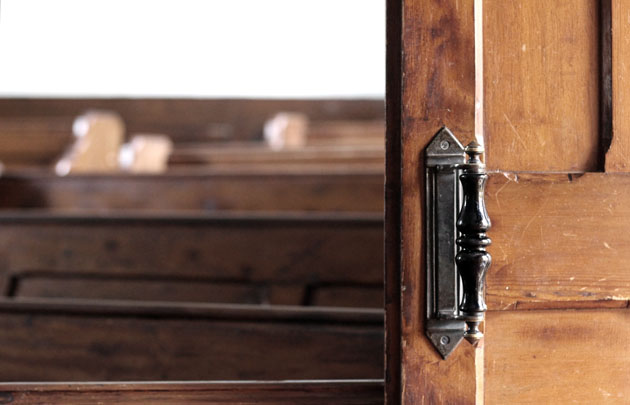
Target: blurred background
<point>202,181</point>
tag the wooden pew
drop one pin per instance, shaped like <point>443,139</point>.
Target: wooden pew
<point>260,156</point>
<point>195,120</point>
<point>53,340</point>
<point>331,392</point>
<point>317,259</point>
<point>323,189</point>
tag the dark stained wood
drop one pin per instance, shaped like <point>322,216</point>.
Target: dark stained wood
<point>170,290</point>
<point>196,120</point>
<point>558,237</point>
<point>541,82</point>
<point>342,296</point>
<point>315,392</point>
<point>560,357</point>
<point>321,189</point>
<point>89,341</point>
<point>262,251</point>
<point>438,89</point>
<point>393,165</point>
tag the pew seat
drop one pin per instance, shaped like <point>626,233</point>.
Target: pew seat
<point>88,340</point>
<point>275,189</point>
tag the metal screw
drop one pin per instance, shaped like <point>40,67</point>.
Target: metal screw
<point>444,145</point>
<point>444,340</point>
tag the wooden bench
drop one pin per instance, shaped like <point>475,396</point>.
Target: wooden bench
<point>77,340</point>
<point>331,392</point>
<point>370,157</point>
<point>321,189</point>
<point>317,259</point>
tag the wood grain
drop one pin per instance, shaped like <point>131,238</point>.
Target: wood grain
<point>559,357</point>
<point>259,251</point>
<point>558,237</point>
<point>314,392</point>
<point>321,189</point>
<point>617,156</point>
<point>541,82</point>
<point>48,340</point>
<point>438,89</point>
<point>261,156</point>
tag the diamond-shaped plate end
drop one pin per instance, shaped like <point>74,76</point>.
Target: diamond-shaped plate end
<point>446,335</point>
<point>445,148</point>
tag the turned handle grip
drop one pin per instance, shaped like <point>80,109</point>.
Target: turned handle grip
<point>473,260</point>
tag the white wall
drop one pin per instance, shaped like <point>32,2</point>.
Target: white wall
<point>192,48</point>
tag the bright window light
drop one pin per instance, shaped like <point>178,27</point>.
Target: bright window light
<point>192,48</point>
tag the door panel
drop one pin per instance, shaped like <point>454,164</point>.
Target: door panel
<point>558,237</point>
<point>541,80</point>
<point>557,357</point>
<point>558,290</point>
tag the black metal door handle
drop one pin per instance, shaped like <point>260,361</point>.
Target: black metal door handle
<point>456,241</point>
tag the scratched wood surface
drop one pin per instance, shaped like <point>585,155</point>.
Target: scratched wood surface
<point>617,156</point>
<point>313,392</point>
<point>558,238</point>
<point>541,81</point>
<point>320,189</point>
<point>313,252</point>
<point>557,357</point>
<point>438,89</point>
<point>52,340</point>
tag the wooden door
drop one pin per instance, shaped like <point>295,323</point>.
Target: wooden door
<point>544,85</point>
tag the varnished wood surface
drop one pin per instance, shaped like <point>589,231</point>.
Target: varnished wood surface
<point>196,120</point>
<point>254,254</point>
<point>262,156</point>
<point>617,156</point>
<point>557,357</point>
<point>558,237</point>
<point>438,89</point>
<point>89,341</point>
<point>319,189</point>
<point>34,141</point>
<point>314,392</point>
<point>541,81</point>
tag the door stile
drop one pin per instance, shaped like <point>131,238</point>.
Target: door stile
<point>438,88</point>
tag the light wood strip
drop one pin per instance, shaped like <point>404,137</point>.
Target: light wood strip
<point>558,357</point>
<point>438,89</point>
<point>617,156</point>
<point>558,237</point>
<point>541,79</point>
